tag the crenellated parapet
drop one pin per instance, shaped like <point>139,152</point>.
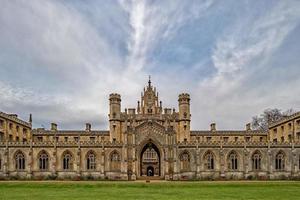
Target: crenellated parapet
<point>184,98</point>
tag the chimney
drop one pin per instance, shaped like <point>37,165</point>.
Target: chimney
<point>30,118</point>
<point>213,126</point>
<point>248,127</point>
<point>53,127</point>
<point>88,127</point>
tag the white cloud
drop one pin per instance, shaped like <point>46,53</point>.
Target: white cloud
<point>241,54</point>
<point>71,60</point>
<point>152,22</point>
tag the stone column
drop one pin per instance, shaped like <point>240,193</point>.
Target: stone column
<point>175,167</point>
<point>245,162</point>
<point>198,164</point>
<point>6,160</point>
<point>293,160</point>
<point>30,161</point>
<point>78,171</point>
<point>172,159</point>
<point>124,163</point>
<point>222,162</point>
<point>54,163</point>
<point>134,158</point>
<point>102,160</point>
<point>166,162</point>
<point>269,163</point>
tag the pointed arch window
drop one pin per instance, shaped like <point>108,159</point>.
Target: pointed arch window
<point>209,161</point>
<point>150,155</point>
<point>115,160</point>
<point>185,161</point>
<point>280,161</point>
<point>233,161</point>
<point>43,161</point>
<point>20,161</point>
<point>67,161</point>
<point>256,161</point>
<point>91,161</point>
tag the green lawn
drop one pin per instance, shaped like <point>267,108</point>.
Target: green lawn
<point>154,190</point>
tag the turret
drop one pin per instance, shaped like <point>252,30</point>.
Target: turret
<point>184,117</point>
<point>114,106</point>
<point>115,116</point>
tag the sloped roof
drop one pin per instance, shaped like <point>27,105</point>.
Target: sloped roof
<point>286,119</point>
<point>15,119</point>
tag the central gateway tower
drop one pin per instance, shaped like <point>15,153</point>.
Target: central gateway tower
<point>149,134</point>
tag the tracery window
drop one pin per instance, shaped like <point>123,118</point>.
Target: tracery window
<point>209,161</point>
<point>115,161</point>
<point>150,155</point>
<point>20,161</point>
<point>67,161</point>
<point>233,161</point>
<point>280,161</point>
<point>43,161</point>
<point>91,161</point>
<point>185,161</point>
<point>256,161</point>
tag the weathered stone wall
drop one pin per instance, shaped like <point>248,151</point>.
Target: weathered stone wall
<point>170,161</point>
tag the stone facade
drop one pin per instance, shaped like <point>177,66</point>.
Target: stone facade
<point>150,142</point>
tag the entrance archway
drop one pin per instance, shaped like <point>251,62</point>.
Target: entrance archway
<point>150,171</point>
<point>150,160</point>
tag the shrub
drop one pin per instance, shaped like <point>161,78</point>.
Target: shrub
<point>51,177</point>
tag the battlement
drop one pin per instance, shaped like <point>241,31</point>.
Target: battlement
<point>114,96</point>
<point>184,97</point>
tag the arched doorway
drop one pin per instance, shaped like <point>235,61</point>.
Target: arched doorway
<point>150,171</point>
<point>150,160</point>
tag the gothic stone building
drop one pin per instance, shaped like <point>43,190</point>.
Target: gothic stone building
<point>149,142</point>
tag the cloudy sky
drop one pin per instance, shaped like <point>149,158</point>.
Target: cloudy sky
<point>60,60</point>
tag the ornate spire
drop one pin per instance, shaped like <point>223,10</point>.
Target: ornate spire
<point>149,103</point>
<point>149,82</point>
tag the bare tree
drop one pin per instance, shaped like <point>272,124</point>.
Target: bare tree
<point>289,112</point>
<point>269,116</point>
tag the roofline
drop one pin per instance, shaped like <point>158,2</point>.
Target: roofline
<point>284,120</point>
<point>37,132</point>
<point>15,119</point>
<point>228,132</point>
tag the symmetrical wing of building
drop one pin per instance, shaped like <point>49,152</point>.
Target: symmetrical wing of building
<point>149,141</point>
